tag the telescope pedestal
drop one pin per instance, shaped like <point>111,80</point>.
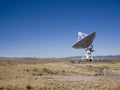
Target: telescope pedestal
<point>88,55</point>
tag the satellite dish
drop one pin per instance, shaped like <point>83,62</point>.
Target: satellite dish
<point>85,42</point>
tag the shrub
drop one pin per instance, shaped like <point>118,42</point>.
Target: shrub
<point>46,70</point>
<point>28,87</point>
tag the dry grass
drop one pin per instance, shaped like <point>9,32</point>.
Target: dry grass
<point>45,84</point>
<point>28,75</point>
<point>103,65</point>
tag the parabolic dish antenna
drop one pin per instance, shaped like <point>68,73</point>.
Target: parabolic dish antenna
<point>85,42</point>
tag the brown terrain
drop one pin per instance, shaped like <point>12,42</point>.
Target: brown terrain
<point>59,75</point>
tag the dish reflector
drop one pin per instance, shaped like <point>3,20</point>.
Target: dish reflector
<point>85,42</point>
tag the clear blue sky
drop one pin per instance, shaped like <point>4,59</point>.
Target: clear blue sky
<point>48,28</point>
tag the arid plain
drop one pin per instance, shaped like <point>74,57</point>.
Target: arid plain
<point>60,75</point>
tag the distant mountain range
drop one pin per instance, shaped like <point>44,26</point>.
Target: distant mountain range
<point>102,56</point>
<point>72,57</point>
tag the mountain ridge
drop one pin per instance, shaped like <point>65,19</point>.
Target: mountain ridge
<point>71,57</point>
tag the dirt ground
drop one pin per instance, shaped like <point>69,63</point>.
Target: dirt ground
<point>59,75</point>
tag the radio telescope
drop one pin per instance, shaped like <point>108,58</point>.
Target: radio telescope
<point>85,42</point>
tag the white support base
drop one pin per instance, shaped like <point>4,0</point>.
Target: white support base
<point>88,55</point>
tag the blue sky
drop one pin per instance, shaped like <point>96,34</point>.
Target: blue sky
<point>48,28</point>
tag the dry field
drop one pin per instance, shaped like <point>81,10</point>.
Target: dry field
<point>59,75</point>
